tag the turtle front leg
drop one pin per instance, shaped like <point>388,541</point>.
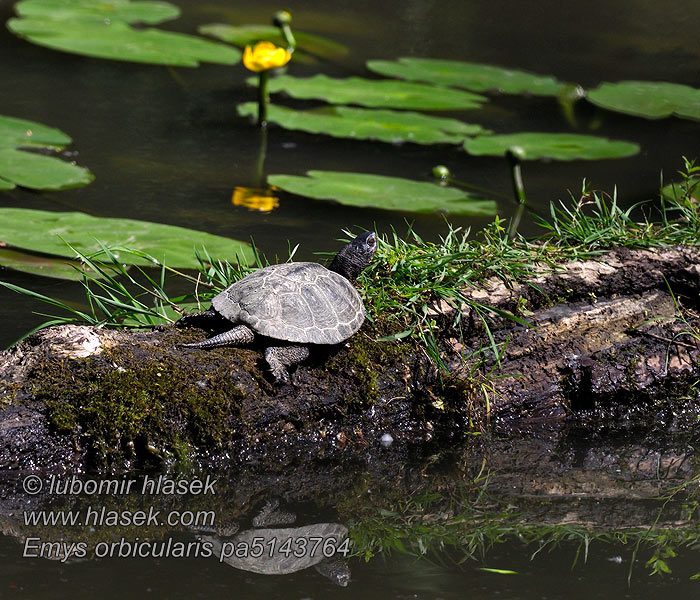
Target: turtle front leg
<point>238,336</point>
<point>281,357</point>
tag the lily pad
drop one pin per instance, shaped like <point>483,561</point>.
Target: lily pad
<point>243,35</point>
<point>102,29</point>
<point>50,232</point>
<point>37,264</point>
<point>676,191</point>
<point>387,193</point>
<point>369,124</point>
<point>471,76</point>
<point>20,132</point>
<point>382,93</point>
<point>648,99</point>
<point>41,172</point>
<point>32,170</point>
<point>92,10</point>
<point>557,146</point>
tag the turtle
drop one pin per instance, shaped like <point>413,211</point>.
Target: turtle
<point>292,305</point>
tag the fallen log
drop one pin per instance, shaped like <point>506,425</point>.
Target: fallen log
<point>607,333</point>
<point>605,340</point>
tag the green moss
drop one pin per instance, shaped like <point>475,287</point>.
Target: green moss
<point>6,397</point>
<point>366,358</point>
<point>363,369</point>
<point>167,404</point>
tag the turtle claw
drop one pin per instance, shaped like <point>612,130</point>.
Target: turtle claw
<point>281,376</point>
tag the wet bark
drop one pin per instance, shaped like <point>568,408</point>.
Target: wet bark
<point>606,335</point>
<point>605,351</point>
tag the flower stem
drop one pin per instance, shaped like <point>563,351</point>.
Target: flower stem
<point>260,162</point>
<point>282,19</point>
<point>289,38</point>
<point>263,98</point>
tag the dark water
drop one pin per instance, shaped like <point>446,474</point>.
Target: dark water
<point>549,577</point>
<point>165,145</point>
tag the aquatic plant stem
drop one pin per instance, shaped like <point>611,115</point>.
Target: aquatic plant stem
<point>514,155</point>
<point>443,175</point>
<point>260,162</point>
<point>263,98</point>
<point>568,98</point>
<point>282,19</point>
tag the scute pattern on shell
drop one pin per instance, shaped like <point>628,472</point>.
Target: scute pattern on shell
<point>297,302</point>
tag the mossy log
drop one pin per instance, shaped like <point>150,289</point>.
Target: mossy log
<point>609,338</point>
<point>604,340</point>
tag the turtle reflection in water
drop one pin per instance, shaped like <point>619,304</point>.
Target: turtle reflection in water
<point>293,303</point>
<point>279,551</point>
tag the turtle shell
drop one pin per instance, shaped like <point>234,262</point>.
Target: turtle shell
<point>297,302</point>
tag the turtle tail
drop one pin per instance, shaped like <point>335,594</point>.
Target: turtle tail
<point>238,336</point>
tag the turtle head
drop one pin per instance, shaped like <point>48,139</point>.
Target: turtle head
<point>354,257</point>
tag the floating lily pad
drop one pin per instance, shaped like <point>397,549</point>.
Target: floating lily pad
<point>243,35</point>
<point>49,232</point>
<point>369,124</point>
<point>378,191</point>
<point>380,93</point>
<point>32,170</point>
<point>102,29</point>
<point>40,172</point>
<point>92,10</point>
<point>35,264</point>
<point>648,99</point>
<point>676,191</point>
<point>471,76</point>
<point>20,132</point>
<point>557,146</point>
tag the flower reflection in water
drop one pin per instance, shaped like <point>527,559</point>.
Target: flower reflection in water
<point>260,199</point>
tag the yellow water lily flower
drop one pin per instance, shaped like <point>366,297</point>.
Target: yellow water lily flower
<point>255,198</point>
<point>264,56</point>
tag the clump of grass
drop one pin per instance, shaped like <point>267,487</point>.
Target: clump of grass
<point>680,206</point>
<point>133,296</point>
<point>596,222</point>
<point>411,277</point>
